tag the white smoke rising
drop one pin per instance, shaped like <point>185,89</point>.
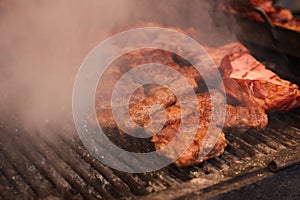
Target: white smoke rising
<point>43,43</point>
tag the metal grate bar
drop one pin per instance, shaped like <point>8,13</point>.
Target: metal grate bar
<point>30,173</point>
<point>235,150</point>
<point>64,188</point>
<point>218,163</point>
<point>66,171</point>
<point>11,174</point>
<point>277,137</point>
<point>209,168</point>
<point>259,145</point>
<point>253,152</point>
<point>230,158</point>
<point>268,141</point>
<point>152,183</point>
<point>7,191</point>
<point>137,186</point>
<point>118,186</point>
<point>179,174</point>
<point>83,169</point>
<point>280,127</point>
<point>164,177</point>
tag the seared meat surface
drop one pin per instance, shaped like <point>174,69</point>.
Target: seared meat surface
<point>190,148</point>
<point>129,61</point>
<point>250,91</point>
<point>248,82</point>
<point>159,99</point>
<point>245,118</point>
<point>217,54</point>
<point>235,117</point>
<point>104,93</point>
<point>143,56</point>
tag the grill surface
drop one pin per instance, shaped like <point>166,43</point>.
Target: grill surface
<point>46,165</point>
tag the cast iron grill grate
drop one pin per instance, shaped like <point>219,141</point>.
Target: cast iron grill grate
<point>34,166</point>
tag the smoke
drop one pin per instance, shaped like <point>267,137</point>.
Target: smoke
<point>42,44</point>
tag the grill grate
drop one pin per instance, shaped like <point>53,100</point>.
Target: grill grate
<point>42,165</point>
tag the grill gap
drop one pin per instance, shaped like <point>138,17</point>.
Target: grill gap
<point>9,171</point>
<point>118,186</point>
<point>39,184</point>
<point>7,189</point>
<point>66,171</point>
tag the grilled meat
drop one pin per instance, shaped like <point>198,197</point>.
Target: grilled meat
<point>143,56</point>
<point>217,54</point>
<point>104,107</point>
<point>207,63</point>
<point>278,16</point>
<point>187,106</point>
<point>170,76</point>
<point>250,88</point>
<point>248,82</point>
<point>130,61</point>
<point>159,99</point>
<point>105,117</point>
<point>235,117</point>
<point>190,148</point>
<point>245,118</point>
<point>104,95</point>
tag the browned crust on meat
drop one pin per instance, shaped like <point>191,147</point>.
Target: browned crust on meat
<point>189,154</point>
<point>248,83</point>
